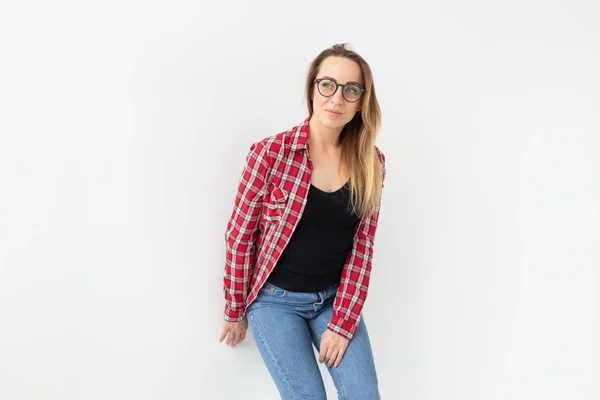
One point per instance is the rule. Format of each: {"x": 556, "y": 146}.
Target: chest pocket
{"x": 274, "y": 204}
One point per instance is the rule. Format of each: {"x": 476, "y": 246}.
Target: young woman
{"x": 300, "y": 238}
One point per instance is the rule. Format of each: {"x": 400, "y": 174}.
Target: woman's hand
{"x": 234, "y": 331}
{"x": 333, "y": 347}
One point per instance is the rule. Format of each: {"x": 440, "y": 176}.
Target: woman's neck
{"x": 323, "y": 138}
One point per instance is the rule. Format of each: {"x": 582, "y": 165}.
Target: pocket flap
{"x": 278, "y": 195}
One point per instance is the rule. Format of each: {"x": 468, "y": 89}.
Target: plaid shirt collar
{"x": 298, "y": 136}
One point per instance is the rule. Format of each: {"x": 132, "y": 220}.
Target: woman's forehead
{"x": 342, "y": 70}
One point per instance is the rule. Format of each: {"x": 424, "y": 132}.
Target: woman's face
{"x": 335, "y": 111}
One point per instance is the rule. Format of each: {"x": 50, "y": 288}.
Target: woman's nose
{"x": 337, "y": 97}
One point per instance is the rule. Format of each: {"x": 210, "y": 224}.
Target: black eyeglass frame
{"x": 337, "y": 85}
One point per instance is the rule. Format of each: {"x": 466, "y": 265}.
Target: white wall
{"x": 124, "y": 126}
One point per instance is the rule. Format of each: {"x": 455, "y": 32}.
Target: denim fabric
{"x": 286, "y": 325}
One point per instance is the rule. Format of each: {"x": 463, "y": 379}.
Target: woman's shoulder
{"x": 267, "y": 148}
{"x": 270, "y": 143}
{"x": 275, "y": 145}
{"x": 380, "y": 155}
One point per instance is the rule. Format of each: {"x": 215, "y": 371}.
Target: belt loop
{"x": 321, "y": 298}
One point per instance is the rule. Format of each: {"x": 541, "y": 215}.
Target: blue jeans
{"x": 287, "y": 324}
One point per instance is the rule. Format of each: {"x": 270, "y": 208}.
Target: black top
{"x": 315, "y": 255}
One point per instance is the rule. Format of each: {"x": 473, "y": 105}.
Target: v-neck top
{"x": 314, "y": 257}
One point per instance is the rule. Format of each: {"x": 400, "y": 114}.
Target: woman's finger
{"x": 329, "y": 353}
{"x": 223, "y": 334}
{"x": 331, "y": 359}
{"x": 322, "y": 352}
{"x": 230, "y": 338}
{"x": 339, "y": 357}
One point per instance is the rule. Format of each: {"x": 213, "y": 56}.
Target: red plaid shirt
{"x": 270, "y": 200}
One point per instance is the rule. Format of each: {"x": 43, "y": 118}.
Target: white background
{"x": 124, "y": 126}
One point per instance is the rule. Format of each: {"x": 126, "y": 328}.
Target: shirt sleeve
{"x": 242, "y": 232}
{"x": 352, "y": 292}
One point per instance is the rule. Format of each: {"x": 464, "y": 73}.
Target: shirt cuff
{"x": 232, "y": 315}
{"x": 342, "y": 327}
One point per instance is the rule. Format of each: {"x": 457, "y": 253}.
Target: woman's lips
{"x": 333, "y": 113}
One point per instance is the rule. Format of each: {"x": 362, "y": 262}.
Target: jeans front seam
{"x": 339, "y": 378}
{"x": 270, "y": 351}
{"x": 341, "y": 382}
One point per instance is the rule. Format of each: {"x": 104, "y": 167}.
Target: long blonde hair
{"x": 359, "y": 157}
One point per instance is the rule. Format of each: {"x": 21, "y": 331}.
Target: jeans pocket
{"x": 272, "y": 290}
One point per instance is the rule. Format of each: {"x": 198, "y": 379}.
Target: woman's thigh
{"x": 285, "y": 344}
{"x": 355, "y": 377}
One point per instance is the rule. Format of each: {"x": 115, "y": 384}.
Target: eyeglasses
{"x": 351, "y": 92}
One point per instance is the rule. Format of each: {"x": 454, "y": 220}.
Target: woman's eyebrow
{"x": 347, "y": 83}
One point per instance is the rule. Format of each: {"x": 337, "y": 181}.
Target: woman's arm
{"x": 354, "y": 283}
{"x": 242, "y": 232}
